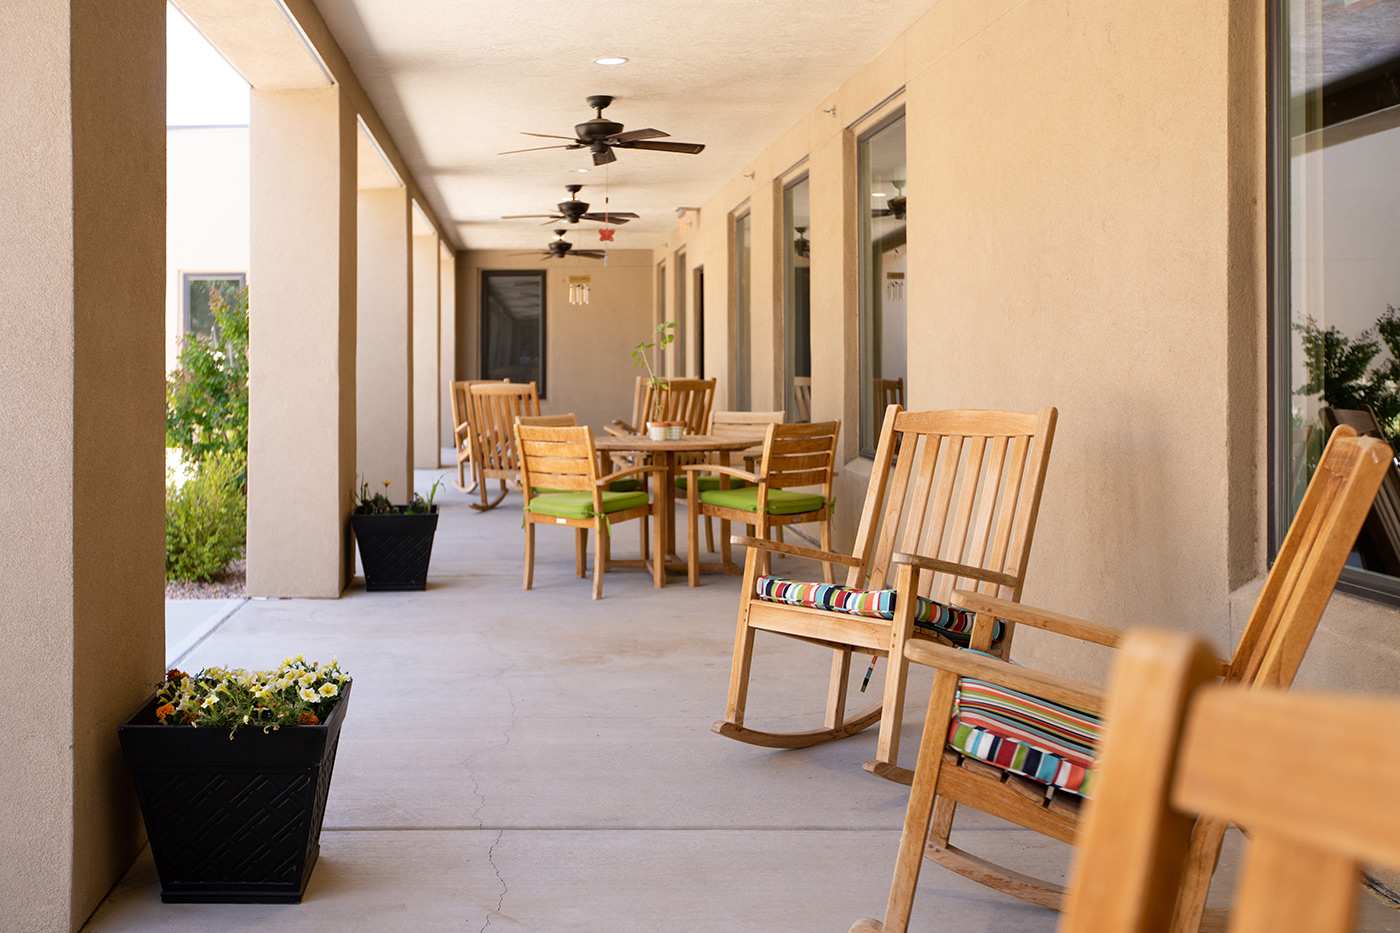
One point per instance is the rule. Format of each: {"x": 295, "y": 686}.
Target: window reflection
{"x": 797, "y": 301}
{"x": 512, "y": 327}
{"x": 883, "y": 301}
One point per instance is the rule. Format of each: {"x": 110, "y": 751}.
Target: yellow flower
{"x": 329, "y": 690}
{"x": 307, "y": 694}
{"x": 209, "y": 701}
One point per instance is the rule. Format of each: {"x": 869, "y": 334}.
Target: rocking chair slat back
{"x": 494, "y": 408}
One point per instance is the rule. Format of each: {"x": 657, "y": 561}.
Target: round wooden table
{"x": 665, "y": 452}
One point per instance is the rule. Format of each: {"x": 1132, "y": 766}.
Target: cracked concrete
{"x": 540, "y": 761}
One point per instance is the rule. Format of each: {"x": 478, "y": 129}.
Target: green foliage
{"x": 662, "y": 337}
{"x": 300, "y": 692}
{"x": 206, "y": 399}
{"x": 1344, "y": 372}
{"x": 377, "y": 503}
{"x": 205, "y": 519}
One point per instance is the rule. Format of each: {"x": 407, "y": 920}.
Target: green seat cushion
{"x": 711, "y": 483}
{"x": 780, "y": 501}
{"x": 580, "y": 504}
{"x": 630, "y": 484}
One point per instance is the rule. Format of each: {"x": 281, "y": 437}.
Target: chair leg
{"x": 836, "y": 691}
{"x": 709, "y": 535}
{"x": 726, "y": 550}
{"x": 529, "y": 554}
{"x": 658, "y": 546}
{"x": 580, "y": 552}
{"x": 692, "y": 537}
{"x": 886, "y": 761}
{"x": 1201, "y": 859}
{"x": 600, "y": 558}
{"x": 828, "y": 574}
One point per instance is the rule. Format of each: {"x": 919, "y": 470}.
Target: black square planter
{"x": 395, "y": 548}
{"x": 232, "y": 821}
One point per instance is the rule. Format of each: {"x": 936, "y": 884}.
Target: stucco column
{"x": 427, "y": 387}
{"x": 383, "y": 355}
{"x": 766, "y": 301}
{"x": 301, "y": 449}
{"x": 82, "y": 142}
{"x": 447, "y": 343}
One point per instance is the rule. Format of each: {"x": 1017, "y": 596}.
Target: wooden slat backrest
{"x": 461, "y": 407}
{"x": 732, "y": 423}
{"x": 799, "y": 455}
{"x": 802, "y": 397}
{"x": 1310, "y": 560}
{"x": 965, "y": 487}
{"x": 556, "y": 457}
{"x": 684, "y": 400}
{"x": 495, "y": 406}
{"x": 568, "y": 420}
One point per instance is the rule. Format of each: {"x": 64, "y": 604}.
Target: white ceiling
{"x": 457, "y": 81}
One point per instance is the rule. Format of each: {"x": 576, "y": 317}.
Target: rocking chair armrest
{"x": 620, "y": 429}
{"x": 939, "y": 565}
{"x": 1021, "y": 614}
{"x": 1005, "y": 674}
{"x": 779, "y": 547}
{"x": 716, "y": 468}
{"x": 605, "y": 481}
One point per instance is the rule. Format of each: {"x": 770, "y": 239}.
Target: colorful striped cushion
{"x": 1046, "y": 741}
{"x": 949, "y": 621}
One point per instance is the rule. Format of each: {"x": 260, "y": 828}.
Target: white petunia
{"x": 329, "y": 690}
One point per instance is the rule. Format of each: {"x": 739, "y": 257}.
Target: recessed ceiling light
{"x": 579, "y": 171}
{"x": 879, "y": 194}
{"x": 610, "y": 60}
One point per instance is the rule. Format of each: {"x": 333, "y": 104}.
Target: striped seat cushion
{"x": 949, "y": 621}
{"x": 1046, "y": 741}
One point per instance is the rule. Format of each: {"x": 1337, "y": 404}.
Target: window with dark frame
{"x": 797, "y": 291}
{"x": 743, "y": 292}
{"x": 1334, "y": 338}
{"x": 512, "y": 327}
{"x": 196, "y": 290}
{"x": 882, "y": 175}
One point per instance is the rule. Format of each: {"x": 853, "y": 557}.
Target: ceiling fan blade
{"x": 526, "y": 216}
{"x": 633, "y": 135}
{"x": 611, "y": 217}
{"x": 536, "y": 149}
{"x": 532, "y": 252}
{"x": 603, "y": 156}
{"x": 549, "y": 136}
{"x": 586, "y": 253}
{"x": 689, "y": 148}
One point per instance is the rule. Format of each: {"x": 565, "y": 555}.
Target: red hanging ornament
{"x": 605, "y": 234}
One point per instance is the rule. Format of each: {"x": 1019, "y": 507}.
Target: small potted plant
{"x": 662, "y": 337}
{"x": 232, "y": 769}
{"x": 395, "y": 541}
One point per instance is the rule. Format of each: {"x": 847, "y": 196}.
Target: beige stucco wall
{"x": 383, "y": 342}
{"x": 427, "y": 386}
{"x": 588, "y": 370}
{"x": 80, "y": 371}
{"x": 447, "y": 342}
{"x": 206, "y": 194}
{"x": 1086, "y": 231}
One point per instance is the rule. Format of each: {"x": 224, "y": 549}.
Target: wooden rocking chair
{"x": 995, "y": 461}
{"x": 461, "y": 430}
{"x": 983, "y": 710}
{"x": 494, "y": 408}
{"x": 1312, "y": 778}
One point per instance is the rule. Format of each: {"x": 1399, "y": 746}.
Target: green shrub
{"x": 206, "y": 399}
{"x": 205, "y": 519}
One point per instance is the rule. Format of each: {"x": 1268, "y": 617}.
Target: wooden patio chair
{"x": 1381, "y": 534}
{"x": 794, "y": 456}
{"x": 1021, "y": 744}
{"x": 1312, "y": 778}
{"x": 461, "y": 430}
{"x": 563, "y": 486}
{"x": 802, "y": 397}
{"x": 494, "y": 408}
{"x": 732, "y": 424}
{"x": 995, "y": 461}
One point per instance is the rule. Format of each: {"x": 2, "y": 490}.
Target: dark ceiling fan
{"x": 559, "y": 247}
{"x": 895, "y": 206}
{"x": 573, "y": 210}
{"x": 601, "y": 137}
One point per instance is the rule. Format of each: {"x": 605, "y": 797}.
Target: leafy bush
{"x": 1345, "y": 373}
{"x": 206, "y": 399}
{"x": 205, "y": 519}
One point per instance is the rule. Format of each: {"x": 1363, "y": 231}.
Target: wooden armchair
{"x": 1312, "y": 778}
{"x": 794, "y": 455}
{"x": 732, "y": 424}
{"x": 563, "y": 486}
{"x": 1021, "y": 744}
{"x": 995, "y": 461}
{"x": 685, "y": 400}
{"x": 494, "y": 408}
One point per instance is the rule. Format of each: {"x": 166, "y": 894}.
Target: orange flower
{"x": 308, "y": 719}
{"x": 166, "y": 710}
{"x": 174, "y": 674}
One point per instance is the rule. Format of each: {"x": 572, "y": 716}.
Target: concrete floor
{"x": 540, "y": 761}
